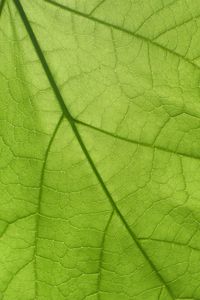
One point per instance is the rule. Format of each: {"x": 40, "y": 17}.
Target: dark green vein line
{"x": 102, "y": 254}
{"x": 169, "y": 242}
{"x": 136, "y": 35}
{"x": 2, "y": 6}
{"x": 38, "y": 213}
{"x": 160, "y": 294}
{"x": 79, "y": 138}
{"x": 135, "y": 142}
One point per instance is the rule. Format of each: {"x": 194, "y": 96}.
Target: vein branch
{"x": 172, "y": 243}
{"x": 136, "y": 142}
{"x": 102, "y": 254}
{"x": 40, "y": 198}
{"x": 134, "y": 34}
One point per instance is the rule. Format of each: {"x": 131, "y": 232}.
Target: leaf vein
{"x": 143, "y": 144}
{"x": 70, "y": 119}
{"x": 136, "y": 35}
{"x": 38, "y": 214}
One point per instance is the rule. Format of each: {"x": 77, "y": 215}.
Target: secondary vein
{"x": 135, "y": 142}
{"x": 102, "y": 254}
{"x": 70, "y": 119}
{"x": 40, "y": 197}
{"x": 136, "y": 35}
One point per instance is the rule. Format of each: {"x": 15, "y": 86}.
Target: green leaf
{"x": 100, "y": 150}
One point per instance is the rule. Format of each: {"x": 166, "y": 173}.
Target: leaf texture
{"x": 100, "y": 150}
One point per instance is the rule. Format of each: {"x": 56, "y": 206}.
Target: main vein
{"x": 70, "y": 119}
{"x": 2, "y": 6}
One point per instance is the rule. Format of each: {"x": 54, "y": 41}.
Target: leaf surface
{"x": 99, "y": 143}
